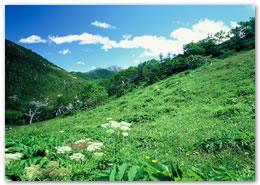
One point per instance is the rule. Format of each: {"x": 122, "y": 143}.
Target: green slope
{"x": 99, "y": 74}
{"x": 208, "y": 112}
{"x": 28, "y": 77}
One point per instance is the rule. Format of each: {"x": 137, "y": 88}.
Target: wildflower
{"x": 46, "y": 151}
{"x": 61, "y": 131}
{"x": 196, "y": 152}
{"x": 124, "y": 128}
{"x": 114, "y": 124}
{"x": 105, "y": 125}
{"x": 98, "y": 154}
{"x": 77, "y": 156}
{"x": 180, "y": 149}
{"x": 187, "y": 154}
{"x": 123, "y": 123}
{"x": 109, "y": 118}
{"x": 145, "y": 140}
{"x": 63, "y": 149}
{"x": 147, "y": 157}
{"x": 12, "y": 157}
{"x": 82, "y": 141}
{"x": 111, "y": 131}
{"x": 94, "y": 146}
{"x": 32, "y": 172}
{"x": 154, "y": 161}
{"x": 125, "y": 134}
{"x": 53, "y": 164}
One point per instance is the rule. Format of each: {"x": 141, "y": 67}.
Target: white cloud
{"x": 65, "y": 51}
{"x": 102, "y": 25}
{"x": 234, "y": 24}
{"x": 152, "y": 45}
{"x": 32, "y": 39}
{"x": 126, "y": 36}
{"x": 199, "y": 31}
{"x": 85, "y": 38}
{"x": 93, "y": 68}
{"x": 81, "y": 63}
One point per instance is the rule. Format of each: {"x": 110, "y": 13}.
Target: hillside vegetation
{"x": 195, "y": 125}
{"x": 36, "y": 89}
{"x": 99, "y": 74}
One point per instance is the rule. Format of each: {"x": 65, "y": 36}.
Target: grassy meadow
{"x": 195, "y": 125}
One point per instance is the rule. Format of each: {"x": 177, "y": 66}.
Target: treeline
{"x": 219, "y": 45}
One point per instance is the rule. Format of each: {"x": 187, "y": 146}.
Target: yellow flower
{"x": 196, "y": 152}
{"x": 147, "y": 157}
{"x": 187, "y": 154}
{"x": 154, "y": 161}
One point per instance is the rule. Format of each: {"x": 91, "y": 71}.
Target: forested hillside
{"x": 99, "y": 74}
{"x": 36, "y": 89}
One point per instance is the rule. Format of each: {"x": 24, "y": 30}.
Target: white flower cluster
{"x": 63, "y": 149}
{"x": 94, "y": 146}
{"x": 32, "y": 172}
{"x": 98, "y": 154}
{"x": 12, "y": 157}
{"x": 77, "y": 156}
{"x": 125, "y": 134}
{"x": 82, "y": 141}
{"x": 124, "y": 126}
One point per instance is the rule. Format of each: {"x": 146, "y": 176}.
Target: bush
{"x": 13, "y": 117}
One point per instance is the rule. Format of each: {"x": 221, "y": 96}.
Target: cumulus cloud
{"x": 102, "y": 25}
{"x": 80, "y": 63}
{"x": 85, "y": 38}
{"x": 153, "y": 45}
{"x": 234, "y": 24}
{"x": 32, "y": 39}
{"x": 126, "y": 36}
{"x": 199, "y": 31}
{"x": 65, "y": 51}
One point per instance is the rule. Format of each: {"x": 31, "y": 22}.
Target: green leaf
{"x": 112, "y": 176}
{"x": 122, "y": 170}
{"x": 132, "y": 173}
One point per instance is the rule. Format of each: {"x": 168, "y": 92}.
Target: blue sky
{"x": 80, "y": 38}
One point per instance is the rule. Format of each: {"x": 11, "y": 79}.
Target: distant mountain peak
{"x": 113, "y": 68}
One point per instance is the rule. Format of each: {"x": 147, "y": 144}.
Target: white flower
{"x": 94, "y": 146}
{"x": 77, "y": 156}
{"x": 105, "y": 125}
{"x": 82, "y": 141}
{"x": 111, "y": 131}
{"x": 125, "y": 134}
{"x": 114, "y": 124}
{"x": 12, "y": 157}
{"x": 124, "y": 128}
{"x": 123, "y": 123}
{"x": 109, "y": 118}
{"x": 98, "y": 154}
{"x": 61, "y": 131}
{"x": 32, "y": 172}
{"x": 63, "y": 149}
